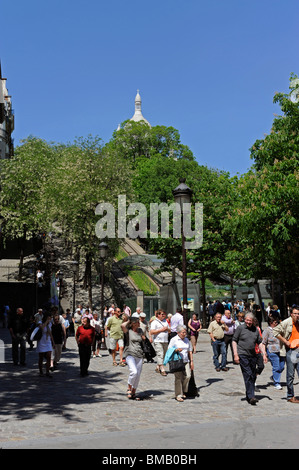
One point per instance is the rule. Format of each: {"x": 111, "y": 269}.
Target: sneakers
{"x": 278, "y": 387}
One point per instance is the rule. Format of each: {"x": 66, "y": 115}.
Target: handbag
{"x": 176, "y": 365}
{"x": 37, "y": 334}
{"x": 148, "y": 349}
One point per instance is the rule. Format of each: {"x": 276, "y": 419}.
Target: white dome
{"x": 138, "y": 114}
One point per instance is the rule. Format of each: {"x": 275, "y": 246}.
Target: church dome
{"x": 138, "y": 113}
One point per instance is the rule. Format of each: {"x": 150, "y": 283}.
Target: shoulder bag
{"x": 176, "y": 365}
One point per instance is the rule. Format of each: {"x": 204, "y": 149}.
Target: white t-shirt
{"x": 97, "y": 324}
{"x": 163, "y": 336}
{"x": 184, "y": 344}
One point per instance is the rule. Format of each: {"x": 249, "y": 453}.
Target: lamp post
{"x": 182, "y": 195}
{"x": 36, "y": 263}
{"x": 75, "y": 266}
{"x": 103, "y": 251}
{"x": 60, "y": 277}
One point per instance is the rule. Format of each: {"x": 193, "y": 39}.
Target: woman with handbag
{"x": 133, "y": 353}
{"x": 183, "y": 346}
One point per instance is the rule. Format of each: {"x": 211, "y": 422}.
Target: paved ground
{"x": 68, "y": 411}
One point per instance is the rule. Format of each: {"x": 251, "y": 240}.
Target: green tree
{"x": 24, "y": 196}
{"x": 263, "y": 223}
{"x": 264, "y": 217}
{"x": 154, "y": 180}
{"x": 85, "y": 176}
{"x": 135, "y": 140}
{"x": 283, "y": 141}
{"x": 166, "y": 141}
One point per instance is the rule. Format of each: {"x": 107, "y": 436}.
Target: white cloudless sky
{"x": 207, "y": 68}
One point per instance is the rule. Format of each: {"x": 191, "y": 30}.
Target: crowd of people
{"x": 240, "y": 327}
{"x": 133, "y": 339}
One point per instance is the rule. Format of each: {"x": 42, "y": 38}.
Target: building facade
{"x": 6, "y": 120}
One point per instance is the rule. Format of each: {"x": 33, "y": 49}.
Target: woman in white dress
{"x": 45, "y": 345}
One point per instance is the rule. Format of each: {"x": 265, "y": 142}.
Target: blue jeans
{"x": 278, "y": 364}
{"x": 291, "y": 374}
{"x": 219, "y": 348}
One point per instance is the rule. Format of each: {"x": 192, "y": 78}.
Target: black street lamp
{"x": 182, "y": 195}
{"x": 75, "y": 266}
{"x": 103, "y": 251}
{"x": 36, "y": 281}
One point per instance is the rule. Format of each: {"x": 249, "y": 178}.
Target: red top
{"x": 85, "y": 335}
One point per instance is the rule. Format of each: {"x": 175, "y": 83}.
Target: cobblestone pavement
{"x": 67, "y": 406}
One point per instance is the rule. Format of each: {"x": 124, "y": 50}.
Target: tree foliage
{"x": 134, "y": 140}
{"x": 24, "y": 195}
{"x": 249, "y": 222}
{"x": 264, "y": 217}
{"x": 283, "y": 141}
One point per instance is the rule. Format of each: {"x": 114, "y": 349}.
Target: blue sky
{"x": 208, "y": 68}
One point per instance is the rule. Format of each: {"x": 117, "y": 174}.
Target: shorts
{"x": 113, "y": 342}
{"x": 160, "y": 349}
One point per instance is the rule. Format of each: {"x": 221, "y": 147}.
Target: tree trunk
{"x": 87, "y": 278}
{"x": 22, "y": 249}
{"x": 232, "y": 290}
{"x": 175, "y": 288}
{"x": 285, "y": 304}
{"x": 257, "y": 286}
{"x": 203, "y": 294}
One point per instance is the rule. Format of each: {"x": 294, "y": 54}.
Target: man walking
{"x": 228, "y": 335}
{"x": 116, "y": 335}
{"x": 216, "y": 331}
{"x": 77, "y": 320}
{"x": 19, "y": 327}
{"x": 176, "y": 320}
{"x": 288, "y": 333}
{"x": 159, "y": 330}
{"x": 245, "y": 338}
